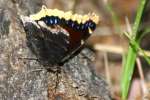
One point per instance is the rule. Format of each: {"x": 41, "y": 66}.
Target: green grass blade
{"x": 132, "y": 53}
{"x": 138, "y": 16}
{"x": 128, "y": 71}
{"x": 114, "y": 16}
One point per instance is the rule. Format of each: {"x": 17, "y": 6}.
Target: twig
{"x": 139, "y": 66}
{"x": 116, "y": 49}
{"x": 107, "y": 72}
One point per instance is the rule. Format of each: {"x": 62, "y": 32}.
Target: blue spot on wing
{"x": 55, "y": 20}
{"x": 92, "y": 25}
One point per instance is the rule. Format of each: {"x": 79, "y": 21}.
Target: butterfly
{"x": 54, "y": 36}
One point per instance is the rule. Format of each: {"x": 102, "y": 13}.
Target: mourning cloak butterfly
{"x": 60, "y": 34}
